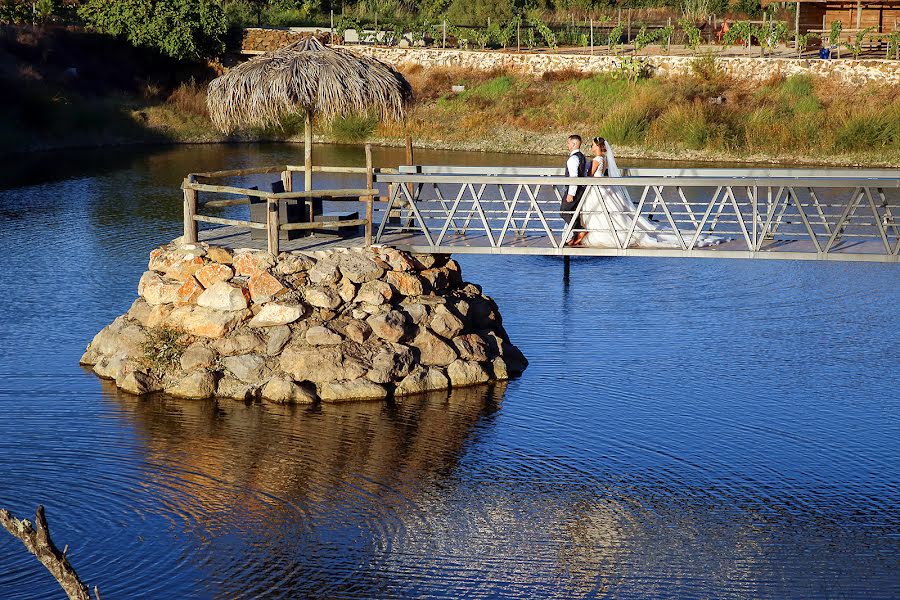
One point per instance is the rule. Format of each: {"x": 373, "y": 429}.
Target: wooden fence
{"x": 195, "y": 183}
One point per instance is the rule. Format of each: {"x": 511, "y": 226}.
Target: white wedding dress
{"x": 620, "y": 209}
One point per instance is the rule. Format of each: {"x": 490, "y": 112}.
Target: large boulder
{"x": 433, "y": 351}
{"x": 155, "y": 290}
{"x": 276, "y": 313}
{"x": 318, "y": 365}
{"x": 357, "y": 389}
{"x": 322, "y": 297}
{"x": 445, "y": 323}
{"x": 223, "y": 296}
{"x": 463, "y": 373}
{"x": 390, "y": 326}
{"x": 407, "y": 284}
{"x": 282, "y": 391}
{"x": 248, "y": 368}
{"x": 471, "y": 347}
{"x": 422, "y": 379}
{"x": 197, "y": 356}
{"x": 322, "y": 336}
{"x": 205, "y": 322}
{"x": 360, "y": 269}
{"x": 214, "y": 273}
{"x": 198, "y": 385}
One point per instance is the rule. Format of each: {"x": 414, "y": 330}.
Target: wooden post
{"x": 628, "y": 37}
{"x": 287, "y": 181}
{"x": 797, "y": 29}
{"x": 370, "y": 185}
{"x": 409, "y": 150}
{"x": 592, "y": 37}
{"x": 190, "y": 210}
{"x": 272, "y": 224}
{"x": 307, "y": 152}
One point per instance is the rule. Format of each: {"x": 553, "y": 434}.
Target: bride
{"x": 620, "y": 209}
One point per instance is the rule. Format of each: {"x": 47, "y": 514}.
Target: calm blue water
{"x": 686, "y": 429}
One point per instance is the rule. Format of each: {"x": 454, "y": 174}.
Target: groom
{"x": 575, "y": 167}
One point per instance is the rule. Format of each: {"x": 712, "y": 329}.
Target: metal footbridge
{"x": 796, "y": 214}
{"x": 800, "y": 214}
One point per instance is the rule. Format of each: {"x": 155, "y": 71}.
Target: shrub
{"x": 164, "y": 346}
{"x": 682, "y": 126}
{"x": 353, "y": 128}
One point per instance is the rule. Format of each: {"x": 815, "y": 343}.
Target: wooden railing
{"x": 195, "y": 183}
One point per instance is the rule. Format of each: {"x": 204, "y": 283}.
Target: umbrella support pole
{"x": 307, "y": 152}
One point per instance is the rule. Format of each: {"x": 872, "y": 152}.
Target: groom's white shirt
{"x": 572, "y": 170}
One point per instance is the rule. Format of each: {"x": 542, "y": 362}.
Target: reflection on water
{"x": 319, "y": 492}
{"x": 689, "y": 429}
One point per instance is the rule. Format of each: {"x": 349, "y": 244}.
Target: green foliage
{"x": 615, "y": 39}
{"x": 705, "y": 67}
{"x": 804, "y": 40}
{"x": 632, "y": 69}
{"x": 856, "y": 45}
{"x": 547, "y": 34}
{"x": 691, "y": 33}
{"x": 163, "y": 347}
{"x": 644, "y": 38}
{"x": 835, "y": 34}
{"x": 353, "y": 128}
{"x": 771, "y": 33}
{"x": 182, "y": 29}
{"x": 695, "y": 9}
{"x": 869, "y": 131}
{"x": 344, "y": 23}
{"x": 751, "y": 8}
{"x": 740, "y": 30}
{"x": 893, "y": 45}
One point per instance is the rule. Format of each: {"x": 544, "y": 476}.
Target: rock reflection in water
{"x": 302, "y": 498}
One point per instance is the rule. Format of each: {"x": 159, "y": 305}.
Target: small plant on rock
{"x": 164, "y": 346}
{"x": 632, "y": 69}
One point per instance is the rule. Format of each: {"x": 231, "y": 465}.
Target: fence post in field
{"x": 272, "y": 225}
{"x": 592, "y": 37}
{"x": 190, "y": 209}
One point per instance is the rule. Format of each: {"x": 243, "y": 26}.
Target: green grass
{"x": 353, "y": 128}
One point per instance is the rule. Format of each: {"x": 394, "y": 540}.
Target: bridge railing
{"x": 749, "y": 213}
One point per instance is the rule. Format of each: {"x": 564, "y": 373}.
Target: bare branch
{"x": 38, "y": 542}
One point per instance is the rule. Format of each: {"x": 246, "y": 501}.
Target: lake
{"x": 686, "y": 428}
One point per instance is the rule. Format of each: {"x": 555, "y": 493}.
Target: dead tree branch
{"x": 37, "y": 541}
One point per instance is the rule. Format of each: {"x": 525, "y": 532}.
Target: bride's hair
{"x": 600, "y": 142}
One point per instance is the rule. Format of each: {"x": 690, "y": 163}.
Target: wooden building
{"x": 817, "y": 15}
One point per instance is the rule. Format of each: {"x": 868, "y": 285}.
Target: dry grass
{"x": 706, "y": 111}
{"x": 189, "y": 98}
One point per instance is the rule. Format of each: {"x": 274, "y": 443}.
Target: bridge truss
{"x": 843, "y": 215}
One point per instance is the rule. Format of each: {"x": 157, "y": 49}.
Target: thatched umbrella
{"x": 323, "y": 82}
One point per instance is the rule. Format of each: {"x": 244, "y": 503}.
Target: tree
{"x": 182, "y": 29}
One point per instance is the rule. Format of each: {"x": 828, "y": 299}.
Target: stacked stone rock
{"x": 332, "y": 325}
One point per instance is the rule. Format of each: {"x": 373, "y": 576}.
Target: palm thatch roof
{"x": 306, "y": 76}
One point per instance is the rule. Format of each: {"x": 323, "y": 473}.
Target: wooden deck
{"x": 239, "y": 238}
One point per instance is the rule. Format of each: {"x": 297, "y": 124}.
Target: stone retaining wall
{"x": 257, "y": 39}
{"x": 757, "y": 69}
{"x": 333, "y": 325}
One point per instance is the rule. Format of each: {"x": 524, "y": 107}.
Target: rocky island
{"x": 349, "y": 324}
